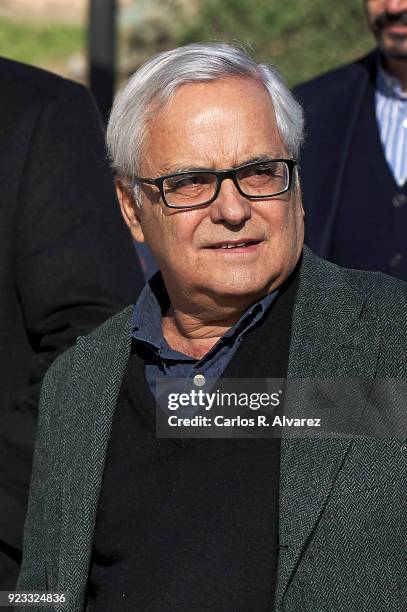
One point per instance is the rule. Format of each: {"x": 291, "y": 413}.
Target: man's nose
{"x": 395, "y": 6}
{"x": 230, "y": 206}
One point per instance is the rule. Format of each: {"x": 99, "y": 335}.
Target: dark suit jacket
{"x": 332, "y": 104}
{"x": 66, "y": 258}
{"x": 342, "y": 520}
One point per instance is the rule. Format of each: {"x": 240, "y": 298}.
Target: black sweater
{"x": 193, "y": 524}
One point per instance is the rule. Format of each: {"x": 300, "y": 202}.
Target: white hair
{"x": 152, "y": 87}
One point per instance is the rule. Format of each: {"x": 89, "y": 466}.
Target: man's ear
{"x": 130, "y": 211}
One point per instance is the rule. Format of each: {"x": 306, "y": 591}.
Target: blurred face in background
{"x": 388, "y": 22}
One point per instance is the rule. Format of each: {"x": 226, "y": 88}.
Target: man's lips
{"x": 242, "y": 245}
{"x": 396, "y": 29}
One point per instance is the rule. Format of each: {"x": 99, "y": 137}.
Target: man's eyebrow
{"x": 251, "y": 160}
{"x": 186, "y": 169}
{"x": 262, "y": 157}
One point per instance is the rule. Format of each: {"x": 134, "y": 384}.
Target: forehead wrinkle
{"x": 213, "y": 114}
{"x": 212, "y": 137}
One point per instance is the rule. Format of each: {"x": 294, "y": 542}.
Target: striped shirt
{"x": 391, "y": 113}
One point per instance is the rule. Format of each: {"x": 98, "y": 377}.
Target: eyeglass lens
{"x": 257, "y": 180}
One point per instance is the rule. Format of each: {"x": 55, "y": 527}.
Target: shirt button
{"x": 399, "y": 200}
{"x": 199, "y": 380}
{"x": 395, "y": 260}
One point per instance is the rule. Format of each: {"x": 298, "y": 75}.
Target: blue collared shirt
{"x": 161, "y": 360}
{"x": 391, "y": 113}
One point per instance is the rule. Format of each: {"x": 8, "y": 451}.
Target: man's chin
{"x": 237, "y": 294}
{"x": 394, "y": 48}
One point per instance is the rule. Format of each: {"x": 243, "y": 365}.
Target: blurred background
{"x": 99, "y": 42}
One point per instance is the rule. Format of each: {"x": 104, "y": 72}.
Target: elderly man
{"x": 354, "y": 162}
{"x": 204, "y": 143}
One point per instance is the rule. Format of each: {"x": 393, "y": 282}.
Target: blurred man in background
{"x": 354, "y": 162}
{"x": 66, "y": 261}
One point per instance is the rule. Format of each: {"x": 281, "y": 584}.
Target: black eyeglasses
{"x": 255, "y": 181}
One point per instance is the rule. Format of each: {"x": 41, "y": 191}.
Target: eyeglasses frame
{"x": 221, "y": 175}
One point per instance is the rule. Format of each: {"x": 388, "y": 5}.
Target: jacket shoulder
{"x": 111, "y": 328}
{"x": 374, "y": 288}
{"x": 334, "y": 79}
{"x": 387, "y": 296}
{"x": 110, "y": 334}
{"x": 24, "y": 83}
{"x": 385, "y": 292}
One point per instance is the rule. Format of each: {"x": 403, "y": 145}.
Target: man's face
{"x": 388, "y": 22}
{"x": 218, "y": 125}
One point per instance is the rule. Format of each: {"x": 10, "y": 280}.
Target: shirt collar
{"x": 153, "y": 303}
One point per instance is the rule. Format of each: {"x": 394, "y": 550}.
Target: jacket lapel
{"x": 92, "y": 404}
{"x": 332, "y": 337}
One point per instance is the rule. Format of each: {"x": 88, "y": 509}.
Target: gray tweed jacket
{"x": 343, "y": 514}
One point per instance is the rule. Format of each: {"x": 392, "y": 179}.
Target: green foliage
{"x": 302, "y": 37}
{"x": 39, "y": 44}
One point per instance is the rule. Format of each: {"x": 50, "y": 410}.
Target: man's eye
{"x": 185, "y": 182}
{"x": 179, "y": 183}
{"x": 267, "y": 170}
